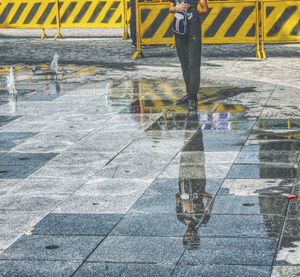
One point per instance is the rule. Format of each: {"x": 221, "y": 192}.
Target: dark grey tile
{"x": 37, "y": 268}
{"x": 222, "y": 270}
{"x": 212, "y": 146}
{"x": 288, "y": 253}
{"x": 163, "y": 250}
{"x": 26, "y": 159}
{"x": 77, "y": 224}
{"x": 292, "y": 227}
{"x": 6, "y": 119}
{"x": 52, "y": 248}
{"x": 170, "y": 203}
{"x": 259, "y": 187}
{"x": 149, "y": 106}
{"x": 279, "y": 145}
{"x": 255, "y": 226}
{"x": 285, "y": 124}
{"x": 230, "y": 251}
{"x": 286, "y": 271}
{"x": 124, "y": 270}
{"x": 163, "y": 225}
{"x": 9, "y": 140}
{"x": 246, "y": 204}
{"x": 16, "y": 172}
{"x": 256, "y": 171}
{"x": 267, "y": 156}
{"x": 172, "y": 185}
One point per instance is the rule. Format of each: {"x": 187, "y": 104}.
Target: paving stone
{"x": 119, "y": 269}
{"x": 256, "y": 171}
{"x": 107, "y": 186}
{"x": 164, "y": 225}
{"x": 288, "y": 253}
{"x": 163, "y": 250}
{"x": 29, "y": 203}
{"x": 52, "y": 248}
{"x": 17, "y": 172}
{"x": 44, "y": 187}
{"x": 252, "y": 226}
{"x": 262, "y": 187}
{"x": 249, "y": 205}
{"x": 230, "y": 251}
{"x": 287, "y": 271}
{"x": 37, "y": 268}
{"x": 106, "y": 204}
{"x": 25, "y": 159}
{"x": 172, "y": 185}
{"x": 222, "y": 270}
{"x": 77, "y": 224}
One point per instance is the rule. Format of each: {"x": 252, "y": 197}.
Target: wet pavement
{"x": 110, "y": 178}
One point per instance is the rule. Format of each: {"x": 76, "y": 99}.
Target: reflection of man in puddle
{"x": 192, "y": 199}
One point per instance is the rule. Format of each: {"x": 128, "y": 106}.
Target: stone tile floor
{"x": 111, "y": 178}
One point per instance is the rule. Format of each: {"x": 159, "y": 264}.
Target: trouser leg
{"x": 133, "y": 22}
{"x": 194, "y": 56}
{"x": 182, "y": 51}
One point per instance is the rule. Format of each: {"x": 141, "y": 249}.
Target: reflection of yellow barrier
{"x": 226, "y": 22}
{"x": 280, "y": 21}
{"x": 58, "y": 14}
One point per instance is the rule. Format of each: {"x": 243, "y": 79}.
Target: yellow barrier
{"x": 58, "y": 14}
{"x": 226, "y": 22}
{"x": 29, "y": 14}
{"x": 280, "y": 22}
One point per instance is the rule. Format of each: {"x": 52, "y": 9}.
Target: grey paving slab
{"x": 169, "y": 203}
{"x": 277, "y": 124}
{"x": 199, "y": 157}
{"x": 6, "y": 119}
{"x": 273, "y": 145}
{"x": 77, "y": 224}
{"x": 262, "y": 156}
{"x": 262, "y": 187}
{"x": 131, "y": 171}
{"x": 287, "y": 271}
{"x": 196, "y": 171}
{"x": 37, "y": 268}
{"x": 7, "y": 184}
{"x": 163, "y": 225}
{"x": 26, "y": 159}
{"x": 222, "y": 270}
{"x": 291, "y": 227}
{"x": 163, "y": 250}
{"x": 42, "y": 187}
{"x": 172, "y": 185}
{"x": 17, "y": 172}
{"x": 251, "y": 226}
{"x": 122, "y": 269}
{"x": 108, "y": 186}
{"x": 98, "y": 204}
{"x": 65, "y": 171}
{"x": 230, "y": 251}
{"x": 29, "y": 203}
{"x": 18, "y": 222}
{"x": 9, "y": 140}
{"x": 248, "y": 204}
{"x": 288, "y": 253}
{"x": 52, "y": 248}
{"x": 256, "y": 171}
{"x": 213, "y": 146}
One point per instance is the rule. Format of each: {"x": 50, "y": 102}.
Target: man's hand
{"x": 182, "y": 7}
{"x": 204, "y": 7}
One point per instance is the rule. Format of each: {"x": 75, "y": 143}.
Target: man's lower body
{"x": 189, "y": 53}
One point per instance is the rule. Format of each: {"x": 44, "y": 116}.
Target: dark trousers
{"x": 133, "y": 22}
{"x": 189, "y": 53}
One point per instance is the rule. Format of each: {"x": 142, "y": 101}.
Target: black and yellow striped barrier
{"x": 59, "y": 14}
{"x": 29, "y": 14}
{"x": 280, "y": 22}
{"x": 226, "y": 22}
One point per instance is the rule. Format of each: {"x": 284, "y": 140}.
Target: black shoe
{"x": 183, "y": 100}
{"x": 192, "y": 105}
